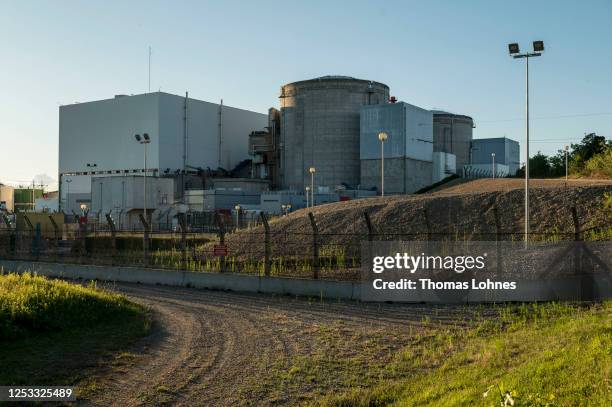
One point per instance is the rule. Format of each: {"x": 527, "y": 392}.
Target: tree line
{"x": 591, "y": 157}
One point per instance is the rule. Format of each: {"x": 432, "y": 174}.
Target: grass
{"x": 54, "y": 332}
{"x": 534, "y": 355}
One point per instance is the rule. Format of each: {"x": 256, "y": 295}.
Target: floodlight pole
{"x": 144, "y": 140}
{"x": 527, "y": 56}
{"x": 527, "y": 150}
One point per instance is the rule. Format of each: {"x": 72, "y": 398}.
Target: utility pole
{"x": 566, "y": 167}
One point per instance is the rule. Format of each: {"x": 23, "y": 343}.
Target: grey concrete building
{"x": 320, "y": 128}
{"x": 452, "y": 133}
{"x": 507, "y": 153}
{"x": 200, "y": 200}
{"x": 408, "y": 149}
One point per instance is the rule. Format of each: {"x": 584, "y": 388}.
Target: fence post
{"x": 221, "y": 227}
{"x": 315, "y": 246}
{"x": 37, "y": 242}
{"x": 427, "y": 224}
{"x": 145, "y": 239}
{"x": 113, "y": 229}
{"x": 82, "y": 238}
{"x": 498, "y": 251}
{"x": 577, "y": 231}
{"x": 32, "y": 237}
{"x": 577, "y": 238}
{"x": 370, "y": 253}
{"x": 12, "y": 237}
{"x": 369, "y": 225}
{"x": 264, "y": 220}
{"x": 55, "y": 235}
{"x": 55, "y": 229}
{"x": 183, "y": 224}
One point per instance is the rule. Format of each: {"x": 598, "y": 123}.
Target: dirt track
{"x": 212, "y": 348}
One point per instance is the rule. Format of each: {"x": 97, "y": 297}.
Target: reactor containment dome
{"x": 320, "y": 121}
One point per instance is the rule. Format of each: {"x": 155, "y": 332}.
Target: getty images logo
{"x": 404, "y": 261}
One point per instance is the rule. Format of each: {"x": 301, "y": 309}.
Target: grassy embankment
{"x": 52, "y": 332}
{"x": 534, "y": 355}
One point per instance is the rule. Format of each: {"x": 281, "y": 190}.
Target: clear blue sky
{"x": 443, "y": 54}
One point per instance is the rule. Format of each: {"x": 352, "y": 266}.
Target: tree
{"x": 591, "y": 145}
{"x": 557, "y": 164}
{"x": 539, "y": 166}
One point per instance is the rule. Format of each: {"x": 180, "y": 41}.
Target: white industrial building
{"x": 96, "y": 139}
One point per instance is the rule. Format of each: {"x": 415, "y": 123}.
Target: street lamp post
{"x": 538, "y": 48}
{"x": 493, "y": 158}
{"x": 566, "y": 167}
{"x": 237, "y": 208}
{"x": 312, "y": 171}
{"x": 382, "y": 136}
{"x": 144, "y": 140}
{"x": 307, "y": 197}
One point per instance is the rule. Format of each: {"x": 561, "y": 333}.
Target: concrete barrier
{"x": 565, "y": 289}
{"x": 215, "y": 281}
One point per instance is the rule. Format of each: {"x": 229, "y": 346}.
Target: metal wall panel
{"x": 409, "y": 130}
{"x": 102, "y": 133}
{"x": 506, "y": 152}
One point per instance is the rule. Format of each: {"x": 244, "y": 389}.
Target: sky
{"x": 447, "y": 55}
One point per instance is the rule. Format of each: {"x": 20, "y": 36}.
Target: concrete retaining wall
{"x": 215, "y": 281}
{"x": 597, "y": 287}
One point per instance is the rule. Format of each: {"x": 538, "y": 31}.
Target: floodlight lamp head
{"x": 538, "y": 46}
{"x": 382, "y": 136}
{"x": 137, "y": 137}
{"x": 312, "y": 170}
{"x": 513, "y": 48}
{"x": 146, "y": 136}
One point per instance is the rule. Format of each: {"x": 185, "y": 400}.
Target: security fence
{"x": 302, "y": 247}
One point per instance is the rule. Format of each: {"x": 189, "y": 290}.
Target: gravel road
{"x": 210, "y": 348}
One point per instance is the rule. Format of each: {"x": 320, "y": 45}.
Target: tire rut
{"x": 212, "y": 348}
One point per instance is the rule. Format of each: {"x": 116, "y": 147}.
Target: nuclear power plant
{"x": 330, "y": 139}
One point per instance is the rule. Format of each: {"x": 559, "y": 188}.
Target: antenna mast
{"x": 220, "y": 132}
{"x": 149, "y": 69}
